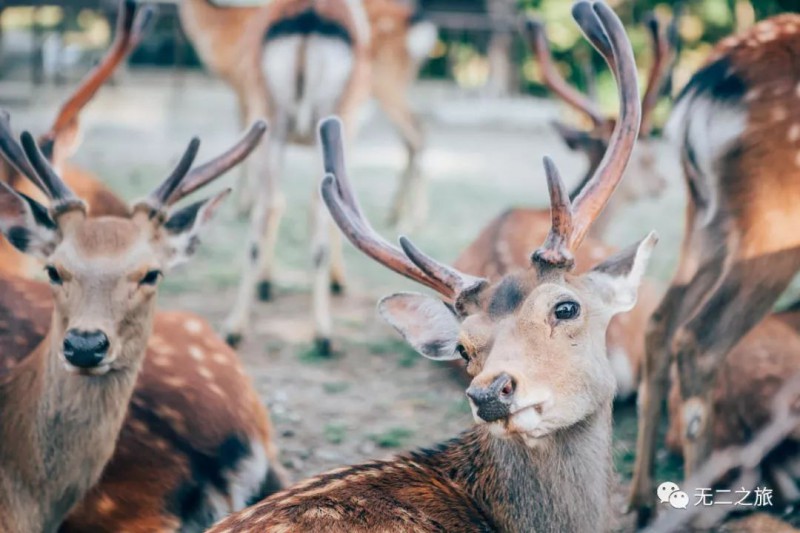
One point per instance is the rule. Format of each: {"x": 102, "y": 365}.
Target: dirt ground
{"x": 375, "y": 396}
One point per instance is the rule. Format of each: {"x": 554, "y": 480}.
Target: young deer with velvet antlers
{"x": 738, "y": 126}
{"x": 539, "y": 458}
{"x": 62, "y": 406}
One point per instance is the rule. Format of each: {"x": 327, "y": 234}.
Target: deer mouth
{"x": 99, "y": 370}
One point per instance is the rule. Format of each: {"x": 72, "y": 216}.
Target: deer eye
{"x": 567, "y": 310}
{"x": 151, "y": 278}
{"x": 52, "y": 273}
{"x": 462, "y": 352}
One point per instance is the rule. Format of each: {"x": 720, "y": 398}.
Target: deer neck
{"x": 58, "y": 430}
{"x": 559, "y": 484}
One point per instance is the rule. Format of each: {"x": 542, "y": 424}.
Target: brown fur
{"x": 740, "y": 250}
{"x": 504, "y": 246}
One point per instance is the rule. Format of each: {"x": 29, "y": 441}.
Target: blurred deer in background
{"x": 64, "y": 404}
{"x": 649, "y": 180}
{"x": 229, "y": 40}
{"x": 738, "y": 126}
{"x": 315, "y": 62}
{"x": 539, "y": 458}
{"x": 504, "y": 244}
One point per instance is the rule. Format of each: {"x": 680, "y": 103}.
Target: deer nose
{"x": 85, "y": 349}
{"x": 493, "y": 402}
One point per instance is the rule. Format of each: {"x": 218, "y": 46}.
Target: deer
{"x": 315, "y": 62}
{"x": 737, "y": 128}
{"x": 63, "y": 404}
{"x": 538, "y": 458}
{"x": 504, "y": 244}
{"x": 649, "y": 181}
{"x": 229, "y": 42}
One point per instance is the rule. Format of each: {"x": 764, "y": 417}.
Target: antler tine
{"x": 555, "y": 251}
{"x": 157, "y": 200}
{"x": 63, "y": 199}
{"x": 537, "y": 41}
{"x": 342, "y": 203}
{"x": 13, "y": 152}
{"x": 664, "y": 50}
{"x": 130, "y": 28}
{"x": 594, "y": 196}
{"x": 211, "y": 170}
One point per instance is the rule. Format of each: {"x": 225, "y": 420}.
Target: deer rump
{"x": 308, "y": 60}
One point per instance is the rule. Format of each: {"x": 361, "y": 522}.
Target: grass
{"x": 407, "y": 356}
{"x": 392, "y": 438}
{"x": 334, "y": 433}
{"x": 335, "y": 387}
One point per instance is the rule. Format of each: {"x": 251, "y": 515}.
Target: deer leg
{"x": 689, "y": 286}
{"x": 410, "y": 201}
{"x": 265, "y": 220}
{"x": 321, "y": 264}
{"x": 744, "y": 294}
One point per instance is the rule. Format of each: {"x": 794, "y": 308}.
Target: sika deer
{"x": 539, "y": 457}
{"x": 738, "y": 126}
{"x": 62, "y": 407}
{"x": 229, "y": 40}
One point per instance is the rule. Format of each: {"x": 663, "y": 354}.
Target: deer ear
{"x": 425, "y": 322}
{"x": 619, "y": 276}
{"x": 574, "y": 138}
{"x": 183, "y": 228}
{"x": 26, "y": 223}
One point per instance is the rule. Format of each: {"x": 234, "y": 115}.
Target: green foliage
{"x": 392, "y": 438}
{"x": 334, "y": 433}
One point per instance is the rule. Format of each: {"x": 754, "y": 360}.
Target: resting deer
{"x": 503, "y": 245}
{"x": 738, "y": 128}
{"x": 63, "y": 405}
{"x": 229, "y": 41}
{"x": 158, "y": 478}
{"x": 315, "y": 62}
{"x": 648, "y": 180}
{"x": 539, "y": 458}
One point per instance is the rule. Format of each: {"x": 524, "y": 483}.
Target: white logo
{"x": 670, "y": 493}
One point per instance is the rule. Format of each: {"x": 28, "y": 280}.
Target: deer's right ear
{"x": 425, "y": 322}
{"x": 26, "y": 223}
{"x": 574, "y": 138}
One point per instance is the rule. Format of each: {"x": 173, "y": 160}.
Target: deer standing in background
{"x": 539, "y": 458}
{"x": 63, "y": 406}
{"x": 504, "y": 244}
{"x": 738, "y": 126}
{"x": 230, "y": 39}
{"x": 315, "y": 62}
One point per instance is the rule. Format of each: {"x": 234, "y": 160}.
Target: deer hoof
{"x": 265, "y": 290}
{"x": 323, "y": 346}
{"x": 337, "y": 287}
{"x": 233, "y": 339}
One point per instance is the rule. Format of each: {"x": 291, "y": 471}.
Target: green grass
{"x": 392, "y": 438}
{"x": 335, "y": 387}
{"x": 334, "y": 433}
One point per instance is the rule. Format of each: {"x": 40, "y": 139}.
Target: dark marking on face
{"x": 506, "y": 298}
{"x": 184, "y": 219}
{"x": 19, "y": 237}
{"x": 306, "y": 23}
{"x": 40, "y": 213}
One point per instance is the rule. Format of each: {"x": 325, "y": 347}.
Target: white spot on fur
{"x": 797, "y": 159}
{"x": 779, "y": 113}
{"x": 196, "y": 352}
{"x": 794, "y": 132}
{"x": 752, "y": 94}
{"x": 205, "y": 372}
{"x": 220, "y": 358}
{"x": 420, "y": 40}
{"x": 193, "y": 326}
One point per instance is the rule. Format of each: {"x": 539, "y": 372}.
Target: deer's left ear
{"x": 182, "y": 229}
{"x": 618, "y": 277}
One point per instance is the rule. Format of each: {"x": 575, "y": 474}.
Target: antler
{"x": 182, "y": 182}
{"x": 28, "y": 159}
{"x": 665, "y": 45}
{"x": 340, "y": 198}
{"x": 536, "y": 35}
{"x": 571, "y": 221}
{"x": 130, "y": 28}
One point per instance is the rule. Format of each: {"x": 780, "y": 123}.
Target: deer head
{"x": 649, "y": 181}
{"x": 104, "y": 272}
{"x": 534, "y": 341}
